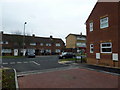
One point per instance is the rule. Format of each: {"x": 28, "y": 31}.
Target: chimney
{"x": 81, "y": 33}
{"x": 1, "y": 32}
{"x": 51, "y": 36}
{"x": 33, "y": 35}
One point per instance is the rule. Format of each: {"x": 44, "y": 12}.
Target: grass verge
{"x": 68, "y": 59}
{"x": 11, "y": 56}
{"x": 8, "y": 79}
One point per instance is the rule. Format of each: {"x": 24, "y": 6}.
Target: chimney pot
{"x": 33, "y": 35}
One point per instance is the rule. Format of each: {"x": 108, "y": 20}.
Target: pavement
{"x": 79, "y": 76}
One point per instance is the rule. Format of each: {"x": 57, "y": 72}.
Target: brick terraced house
{"x": 76, "y": 42}
{"x": 103, "y": 34}
{"x": 13, "y": 44}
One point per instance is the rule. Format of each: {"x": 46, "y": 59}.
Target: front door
{"x": 15, "y": 52}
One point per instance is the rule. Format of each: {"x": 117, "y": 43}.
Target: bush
{"x": 8, "y": 79}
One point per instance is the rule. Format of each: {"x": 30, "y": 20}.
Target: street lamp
{"x": 24, "y": 39}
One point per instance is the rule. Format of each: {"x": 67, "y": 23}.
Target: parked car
{"x": 30, "y": 53}
{"x": 67, "y": 55}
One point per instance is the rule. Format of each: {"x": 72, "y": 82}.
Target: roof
{"x": 98, "y": 2}
{"x": 77, "y": 35}
{"x": 13, "y": 37}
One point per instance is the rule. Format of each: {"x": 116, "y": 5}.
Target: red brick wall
{"x": 119, "y": 32}
{"x": 98, "y": 35}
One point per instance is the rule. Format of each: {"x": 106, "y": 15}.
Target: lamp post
{"x": 24, "y": 39}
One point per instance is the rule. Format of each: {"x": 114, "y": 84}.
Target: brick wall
{"x": 97, "y": 36}
{"x": 71, "y": 41}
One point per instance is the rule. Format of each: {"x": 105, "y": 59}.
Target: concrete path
{"x": 72, "y": 78}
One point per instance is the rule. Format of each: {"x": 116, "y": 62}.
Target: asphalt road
{"x": 31, "y": 64}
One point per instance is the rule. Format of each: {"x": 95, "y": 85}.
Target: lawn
{"x": 74, "y": 59}
{"x": 11, "y": 56}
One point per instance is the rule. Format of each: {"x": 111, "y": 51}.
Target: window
{"x": 91, "y": 48}
{"x": 48, "y": 50}
{"x": 81, "y": 44}
{"x": 33, "y": 44}
{"x": 106, "y": 47}
{"x": 6, "y": 51}
{"x": 91, "y": 26}
{"x": 57, "y": 50}
{"x": 4, "y": 42}
{"x": 41, "y": 44}
{"x": 81, "y": 38}
{"x": 104, "y": 22}
{"x": 57, "y": 44}
{"x": 48, "y": 44}
{"x": 42, "y": 51}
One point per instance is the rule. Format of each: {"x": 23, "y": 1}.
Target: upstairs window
{"x": 41, "y": 44}
{"x": 91, "y": 48}
{"x": 81, "y": 44}
{"x": 91, "y": 26}
{"x": 48, "y": 44}
{"x": 106, "y": 47}
{"x": 4, "y": 42}
{"x": 32, "y": 44}
{"x": 81, "y": 38}
{"x": 104, "y": 22}
{"x": 57, "y": 44}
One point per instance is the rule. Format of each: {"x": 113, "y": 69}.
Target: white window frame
{"x": 101, "y": 47}
{"x": 91, "y": 26}
{"x": 57, "y": 50}
{"x": 48, "y": 50}
{"x": 4, "y": 42}
{"x": 104, "y": 22}
{"x": 6, "y": 50}
{"x": 91, "y": 48}
{"x": 81, "y": 38}
{"x": 33, "y": 44}
{"x": 41, "y": 44}
{"x": 58, "y": 44}
{"x": 81, "y": 44}
{"x": 48, "y": 44}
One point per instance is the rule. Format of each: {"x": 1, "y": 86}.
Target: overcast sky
{"x": 46, "y": 17}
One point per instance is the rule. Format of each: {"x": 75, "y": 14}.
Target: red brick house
{"x": 13, "y": 44}
{"x": 103, "y": 34}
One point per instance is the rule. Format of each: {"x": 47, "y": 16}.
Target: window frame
{"x": 101, "y": 47}
{"x": 41, "y": 44}
{"x": 48, "y": 44}
{"x": 33, "y": 44}
{"x": 57, "y": 50}
{"x": 91, "y": 26}
{"x": 91, "y": 48}
{"x": 58, "y": 45}
{"x": 102, "y": 23}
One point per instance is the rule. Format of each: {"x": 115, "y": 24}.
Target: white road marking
{"x": 25, "y": 62}
{"x": 35, "y": 62}
{"x": 12, "y": 62}
{"x": 19, "y": 62}
{"x": 5, "y": 63}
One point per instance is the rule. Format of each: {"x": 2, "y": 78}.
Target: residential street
{"x": 32, "y": 64}
{"x": 43, "y": 70}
